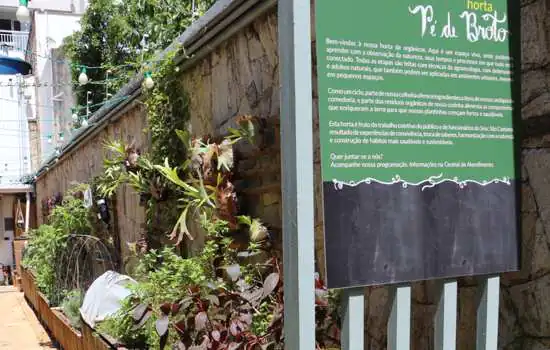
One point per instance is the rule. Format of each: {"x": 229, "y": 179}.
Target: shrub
{"x": 71, "y": 307}
{"x": 44, "y": 245}
{"x": 48, "y": 242}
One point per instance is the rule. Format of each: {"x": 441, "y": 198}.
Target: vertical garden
{"x": 226, "y": 292}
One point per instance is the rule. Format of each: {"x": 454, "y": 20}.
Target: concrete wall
{"x": 62, "y": 108}
{"x": 241, "y": 77}
{"x": 49, "y": 30}
{"x": 14, "y": 144}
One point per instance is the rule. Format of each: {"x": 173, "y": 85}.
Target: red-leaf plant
{"x": 245, "y": 312}
{"x": 227, "y": 318}
{"x": 223, "y": 318}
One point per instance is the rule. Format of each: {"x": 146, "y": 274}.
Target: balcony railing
{"x": 13, "y": 41}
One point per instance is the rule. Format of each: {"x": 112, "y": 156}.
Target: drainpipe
{"x": 27, "y": 212}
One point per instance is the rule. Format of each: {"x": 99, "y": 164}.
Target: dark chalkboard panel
{"x": 378, "y": 234}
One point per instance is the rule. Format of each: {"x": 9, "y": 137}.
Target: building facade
{"x": 34, "y": 107}
{"x": 52, "y": 94}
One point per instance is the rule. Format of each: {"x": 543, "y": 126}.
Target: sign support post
{"x": 399, "y": 323}
{"x": 297, "y": 173}
{"x": 487, "y": 314}
{"x": 445, "y": 317}
{"x": 353, "y": 330}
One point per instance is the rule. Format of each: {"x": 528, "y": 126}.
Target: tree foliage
{"x": 112, "y": 35}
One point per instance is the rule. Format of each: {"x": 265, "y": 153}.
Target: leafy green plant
{"x": 48, "y": 241}
{"x": 215, "y": 297}
{"x": 176, "y": 303}
{"x": 122, "y": 327}
{"x": 229, "y": 296}
{"x": 167, "y": 111}
{"x": 167, "y": 274}
{"x": 71, "y": 217}
{"x": 206, "y": 188}
{"x": 44, "y": 244}
{"x": 124, "y": 165}
{"x": 120, "y": 45}
{"x": 71, "y": 307}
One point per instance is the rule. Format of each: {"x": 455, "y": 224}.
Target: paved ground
{"x": 19, "y": 327}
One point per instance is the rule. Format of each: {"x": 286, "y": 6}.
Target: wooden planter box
{"x": 57, "y": 323}
{"x": 91, "y": 340}
{"x": 46, "y": 314}
{"x": 29, "y": 288}
{"x": 64, "y": 333}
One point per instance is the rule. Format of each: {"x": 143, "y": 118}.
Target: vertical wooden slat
{"x": 399, "y": 323}
{"x": 487, "y": 314}
{"x": 445, "y": 317}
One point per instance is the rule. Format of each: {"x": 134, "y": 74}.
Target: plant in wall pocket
{"x": 103, "y": 211}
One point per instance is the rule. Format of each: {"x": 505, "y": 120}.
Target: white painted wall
{"x": 77, "y": 6}
{"x": 14, "y": 137}
{"x": 6, "y": 246}
{"x": 50, "y": 28}
{"x": 54, "y": 20}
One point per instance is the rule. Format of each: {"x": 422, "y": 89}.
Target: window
{"x": 9, "y": 224}
{"x": 8, "y": 24}
{"x": 5, "y": 24}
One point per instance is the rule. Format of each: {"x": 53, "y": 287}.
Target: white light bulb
{"x": 85, "y": 123}
{"x": 148, "y": 82}
{"x": 83, "y": 78}
{"x": 23, "y": 14}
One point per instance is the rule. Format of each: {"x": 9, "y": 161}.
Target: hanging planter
{"x": 103, "y": 211}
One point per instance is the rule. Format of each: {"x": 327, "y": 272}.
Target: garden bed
{"x": 29, "y": 288}
{"x": 57, "y": 323}
{"x": 63, "y": 332}
{"x": 93, "y": 340}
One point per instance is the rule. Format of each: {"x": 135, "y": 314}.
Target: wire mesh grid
{"x": 84, "y": 259}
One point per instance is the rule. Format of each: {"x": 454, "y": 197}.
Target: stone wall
{"x": 241, "y": 77}
{"x": 525, "y": 314}
{"x": 86, "y": 162}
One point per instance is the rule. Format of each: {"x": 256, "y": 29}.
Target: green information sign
{"x": 417, "y": 138}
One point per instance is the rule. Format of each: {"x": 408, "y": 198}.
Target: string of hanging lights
{"x": 23, "y": 14}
